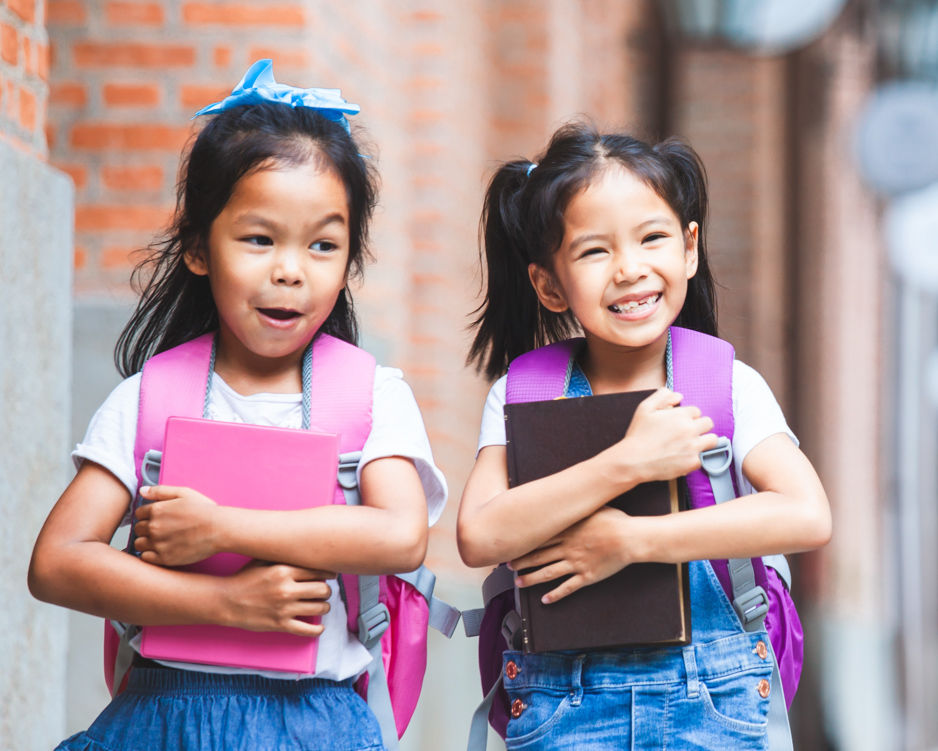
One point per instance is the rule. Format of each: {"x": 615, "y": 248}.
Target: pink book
{"x": 248, "y": 466}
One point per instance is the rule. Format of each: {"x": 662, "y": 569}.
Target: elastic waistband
{"x": 165, "y": 680}
{"x": 633, "y": 667}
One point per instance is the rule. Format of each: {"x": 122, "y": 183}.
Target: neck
{"x": 248, "y": 373}
{"x": 611, "y": 369}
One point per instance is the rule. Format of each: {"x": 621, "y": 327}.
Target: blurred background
{"x": 818, "y": 123}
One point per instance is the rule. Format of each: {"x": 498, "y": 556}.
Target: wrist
{"x": 622, "y": 473}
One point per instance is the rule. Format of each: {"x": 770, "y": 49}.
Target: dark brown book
{"x": 643, "y": 604}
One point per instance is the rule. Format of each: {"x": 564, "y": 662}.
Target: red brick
{"x": 237, "y": 14}
{"x": 131, "y": 95}
{"x": 68, "y": 94}
{"x": 96, "y": 54}
{"x": 9, "y": 44}
{"x": 148, "y": 177}
{"x": 129, "y": 137}
{"x": 78, "y": 173}
{"x": 27, "y": 113}
{"x": 25, "y": 9}
{"x": 195, "y": 96}
{"x": 135, "y": 14}
{"x": 282, "y": 57}
{"x": 43, "y": 61}
{"x": 50, "y": 134}
{"x": 98, "y": 218}
{"x": 117, "y": 258}
{"x": 80, "y": 257}
{"x": 66, "y": 12}
{"x": 222, "y": 56}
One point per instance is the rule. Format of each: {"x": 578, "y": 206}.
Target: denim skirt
{"x": 180, "y": 710}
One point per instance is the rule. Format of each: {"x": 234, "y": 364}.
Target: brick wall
{"x": 24, "y": 75}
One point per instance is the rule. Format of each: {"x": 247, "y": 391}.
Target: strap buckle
{"x": 372, "y": 624}
{"x": 752, "y": 605}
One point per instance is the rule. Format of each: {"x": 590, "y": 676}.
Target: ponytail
{"x": 511, "y": 319}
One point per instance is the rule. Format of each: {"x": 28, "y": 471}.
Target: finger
{"x": 311, "y": 574}
{"x": 303, "y": 628}
{"x": 315, "y": 590}
{"x": 661, "y": 399}
{"x": 565, "y": 589}
{"x": 142, "y": 542}
{"x": 545, "y": 574}
{"x": 539, "y": 557}
{"x": 309, "y": 608}
{"x": 151, "y": 556}
{"x": 160, "y": 492}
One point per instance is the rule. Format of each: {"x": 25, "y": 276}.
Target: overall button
{"x": 517, "y": 707}
{"x": 762, "y": 650}
{"x": 512, "y": 670}
{"x": 763, "y": 688}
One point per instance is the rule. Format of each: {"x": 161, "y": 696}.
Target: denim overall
{"x": 711, "y": 694}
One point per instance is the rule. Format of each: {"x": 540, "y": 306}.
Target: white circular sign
{"x": 777, "y": 26}
{"x": 911, "y": 227}
{"x": 897, "y": 137}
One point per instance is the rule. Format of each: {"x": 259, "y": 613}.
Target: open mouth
{"x": 635, "y": 306}
{"x": 279, "y": 314}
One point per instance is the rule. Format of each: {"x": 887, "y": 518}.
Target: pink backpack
{"x": 701, "y": 367}
{"x": 389, "y": 614}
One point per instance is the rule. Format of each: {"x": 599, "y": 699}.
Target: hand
{"x": 665, "y": 440}
{"x": 175, "y": 527}
{"x": 591, "y": 550}
{"x": 264, "y": 597}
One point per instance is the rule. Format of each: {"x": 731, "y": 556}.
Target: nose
{"x": 629, "y": 266}
{"x": 286, "y": 270}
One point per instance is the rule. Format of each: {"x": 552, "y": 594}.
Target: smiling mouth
{"x": 279, "y": 314}
{"x": 634, "y": 306}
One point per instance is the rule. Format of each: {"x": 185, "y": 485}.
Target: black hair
{"x": 176, "y": 305}
{"x": 523, "y": 223}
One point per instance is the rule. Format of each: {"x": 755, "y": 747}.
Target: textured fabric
{"x": 177, "y": 710}
{"x": 703, "y": 696}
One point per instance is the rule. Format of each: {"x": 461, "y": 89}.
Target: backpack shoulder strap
{"x": 173, "y": 383}
{"x": 342, "y": 391}
{"x": 542, "y": 373}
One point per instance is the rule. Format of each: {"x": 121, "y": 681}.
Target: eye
{"x": 654, "y": 237}
{"x": 323, "y": 246}
{"x": 592, "y": 252}
{"x": 259, "y": 240}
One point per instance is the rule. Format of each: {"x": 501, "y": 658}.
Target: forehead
{"x": 615, "y": 193}
{"x": 308, "y": 188}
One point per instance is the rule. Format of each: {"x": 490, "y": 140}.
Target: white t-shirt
{"x": 397, "y": 430}
{"x": 756, "y": 416}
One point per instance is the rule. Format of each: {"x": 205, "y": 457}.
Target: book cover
{"x": 247, "y": 466}
{"x": 643, "y": 604}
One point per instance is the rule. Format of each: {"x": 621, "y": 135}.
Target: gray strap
{"x": 125, "y": 655}
{"x": 443, "y": 616}
{"x": 779, "y": 563}
{"x": 501, "y": 579}
{"x": 472, "y": 621}
{"x": 348, "y": 477}
{"x": 379, "y": 698}
{"x": 479, "y": 726}
{"x": 749, "y": 600}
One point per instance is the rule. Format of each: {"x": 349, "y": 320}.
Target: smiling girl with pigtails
{"x": 605, "y": 235}
{"x": 271, "y": 224}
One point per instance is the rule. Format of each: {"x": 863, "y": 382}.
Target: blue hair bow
{"x": 258, "y": 85}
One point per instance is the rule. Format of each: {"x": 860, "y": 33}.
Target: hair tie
{"x": 531, "y": 167}
{"x": 258, "y": 85}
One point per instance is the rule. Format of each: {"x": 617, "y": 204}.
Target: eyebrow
{"x": 258, "y": 219}
{"x": 577, "y": 241}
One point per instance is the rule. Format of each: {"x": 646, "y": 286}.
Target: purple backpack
{"x": 389, "y": 614}
{"x": 701, "y": 369}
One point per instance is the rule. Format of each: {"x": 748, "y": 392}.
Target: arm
{"x": 73, "y": 565}
{"x": 387, "y": 534}
{"x": 789, "y": 512}
{"x": 663, "y": 441}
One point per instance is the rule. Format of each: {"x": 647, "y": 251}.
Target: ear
{"x": 690, "y": 248}
{"x": 547, "y": 288}
{"x": 196, "y": 261}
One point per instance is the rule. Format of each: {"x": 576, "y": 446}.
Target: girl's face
{"x": 623, "y": 265}
{"x": 276, "y": 262}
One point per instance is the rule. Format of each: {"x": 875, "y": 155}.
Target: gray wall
{"x": 36, "y": 210}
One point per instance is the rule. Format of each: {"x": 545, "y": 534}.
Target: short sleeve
{"x": 397, "y": 429}
{"x": 109, "y": 440}
{"x": 756, "y": 416}
{"x": 492, "y": 430}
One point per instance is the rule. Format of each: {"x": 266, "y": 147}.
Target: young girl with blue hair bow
{"x": 270, "y": 225}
